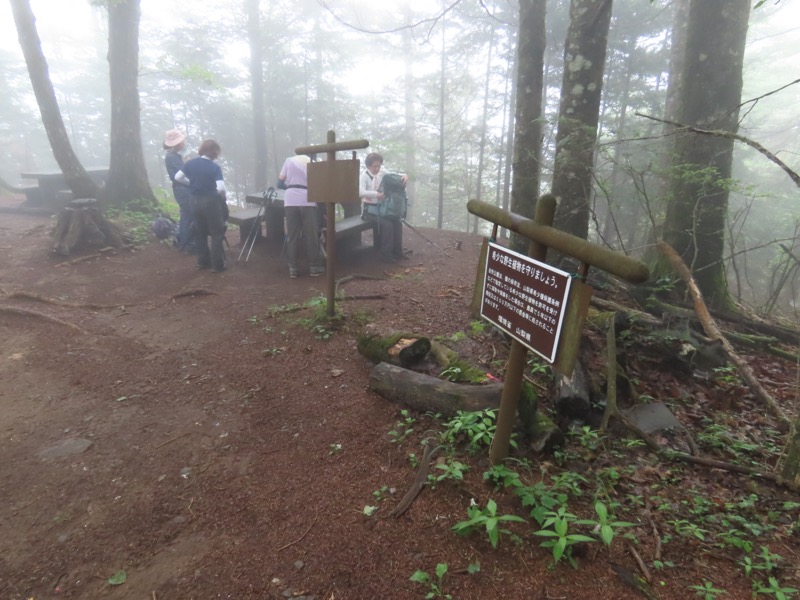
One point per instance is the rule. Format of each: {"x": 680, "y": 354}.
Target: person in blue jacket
{"x": 174, "y": 143}
{"x": 204, "y": 178}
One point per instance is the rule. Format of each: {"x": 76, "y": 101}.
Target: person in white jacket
{"x": 388, "y": 229}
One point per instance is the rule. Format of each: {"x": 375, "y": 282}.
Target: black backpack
{"x": 395, "y": 202}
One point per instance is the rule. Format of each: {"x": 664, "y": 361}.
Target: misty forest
{"x": 662, "y": 133}
{"x": 652, "y": 120}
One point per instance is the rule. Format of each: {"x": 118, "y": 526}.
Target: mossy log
{"x": 424, "y": 393}
{"x": 403, "y": 349}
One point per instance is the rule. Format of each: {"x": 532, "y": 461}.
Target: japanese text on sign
{"x": 525, "y": 298}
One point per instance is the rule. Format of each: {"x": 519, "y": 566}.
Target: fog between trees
{"x": 436, "y": 99}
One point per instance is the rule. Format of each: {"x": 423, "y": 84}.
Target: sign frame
{"x": 518, "y": 285}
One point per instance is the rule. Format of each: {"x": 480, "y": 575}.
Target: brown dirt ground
{"x": 232, "y": 452}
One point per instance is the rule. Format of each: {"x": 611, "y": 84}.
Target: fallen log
{"x": 404, "y": 349}
{"x": 424, "y": 393}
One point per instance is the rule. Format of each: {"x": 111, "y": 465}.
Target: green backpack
{"x": 395, "y": 202}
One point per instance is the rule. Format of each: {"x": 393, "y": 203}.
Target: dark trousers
{"x": 390, "y": 232}
{"x": 302, "y": 222}
{"x": 185, "y": 232}
{"x": 209, "y": 221}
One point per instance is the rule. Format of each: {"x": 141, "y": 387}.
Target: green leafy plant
{"x": 706, "y": 591}
{"x": 403, "y": 428}
{"x": 502, "y": 477}
{"x": 560, "y": 541}
{"x": 688, "y": 529}
{"x": 605, "y": 525}
{"x": 477, "y": 327}
{"x": 453, "y": 470}
{"x": 451, "y": 373}
{"x": 434, "y": 584}
{"x": 774, "y": 588}
{"x": 477, "y": 428}
{"x": 488, "y": 519}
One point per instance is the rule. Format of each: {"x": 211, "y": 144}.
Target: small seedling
{"x": 707, "y": 591}
{"x": 435, "y": 584}
{"x": 486, "y": 518}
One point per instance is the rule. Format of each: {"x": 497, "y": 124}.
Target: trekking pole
{"x": 412, "y": 228}
{"x": 252, "y": 233}
{"x": 257, "y": 224}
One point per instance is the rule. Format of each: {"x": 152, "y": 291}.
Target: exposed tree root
{"x": 419, "y": 482}
{"x": 340, "y": 282}
{"x": 12, "y": 310}
{"x": 193, "y": 292}
{"x": 42, "y": 299}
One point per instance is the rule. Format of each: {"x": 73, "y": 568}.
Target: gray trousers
{"x": 302, "y": 226}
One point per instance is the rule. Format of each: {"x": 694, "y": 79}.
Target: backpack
{"x": 164, "y": 228}
{"x": 395, "y": 202}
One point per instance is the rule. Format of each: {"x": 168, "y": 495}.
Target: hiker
{"x": 302, "y": 217}
{"x": 174, "y": 144}
{"x": 204, "y": 178}
{"x": 387, "y": 219}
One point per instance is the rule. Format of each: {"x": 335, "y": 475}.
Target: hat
{"x": 174, "y": 137}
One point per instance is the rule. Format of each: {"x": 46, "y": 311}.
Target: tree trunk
{"x": 584, "y": 63}
{"x": 411, "y": 123}
{"x": 528, "y": 125}
{"x": 257, "y": 93}
{"x": 442, "y": 91}
{"x": 710, "y": 96}
{"x": 76, "y": 176}
{"x": 127, "y": 177}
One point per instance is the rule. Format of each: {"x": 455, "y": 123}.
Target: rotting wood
{"x": 714, "y": 333}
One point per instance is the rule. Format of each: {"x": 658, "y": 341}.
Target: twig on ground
{"x": 169, "y": 441}
{"x": 642, "y": 567}
{"x": 657, "y": 537}
{"x": 300, "y": 538}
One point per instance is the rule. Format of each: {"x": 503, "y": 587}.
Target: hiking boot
{"x": 316, "y": 272}
{"x": 203, "y": 266}
{"x": 292, "y": 273}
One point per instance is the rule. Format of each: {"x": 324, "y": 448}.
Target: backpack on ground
{"x": 164, "y": 228}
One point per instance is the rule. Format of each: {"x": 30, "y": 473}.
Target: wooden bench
{"x": 351, "y": 226}
{"x": 245, "y": 218}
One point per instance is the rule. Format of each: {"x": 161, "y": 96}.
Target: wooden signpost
{"x": 538, "y": 305}
{"x": 330, "y": 182}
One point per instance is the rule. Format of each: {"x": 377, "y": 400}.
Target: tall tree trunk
{"x": 528, "y": 125}
{"x": 484, "y": 118}
{"x": 127, "y": 176}
{"x": 411, "y": 122}
{"x": 711, "y": 94}
{"x": 257, "y": 93}
{"x": 76, "y": 176}
{"x": 582, "y": 83}
{"x": 442, "y": 86}
{"x": 509, "y": 149}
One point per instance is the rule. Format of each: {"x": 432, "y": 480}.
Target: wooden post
{"x": 512, "y": 384}
{"x": 330, "y": 238}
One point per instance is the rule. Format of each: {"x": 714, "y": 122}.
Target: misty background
{"x": 356, "y": 67}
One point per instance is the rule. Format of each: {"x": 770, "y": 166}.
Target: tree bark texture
{"x": 257, "y": 92}
{"x": 711, "y": 94}
{"x": 76, "y": 176}
{"x": 584, "y": 63}
{"x": 528, "y": 118}
{"x": 127, "y": 176}
{"x": 79, "y": 227}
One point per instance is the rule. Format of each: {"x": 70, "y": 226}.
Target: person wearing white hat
{"x": 174, "y": 143}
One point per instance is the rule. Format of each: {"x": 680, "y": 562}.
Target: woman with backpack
{"x": 380, "y": 208}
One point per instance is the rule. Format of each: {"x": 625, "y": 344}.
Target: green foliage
{"x": 605, "y": 525}
{"x": 556, "y": 528}
{"x": 774, "y": 588}
{"x": 476, "y": 428}
{"x": 488, "y": 519}
{"x": 403, "y": 428}
{"x": 501, "y": 477}
{"x": 707, "y": 591}
{"x": 477, "y": 327}
{"x": 452, "y": 469}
